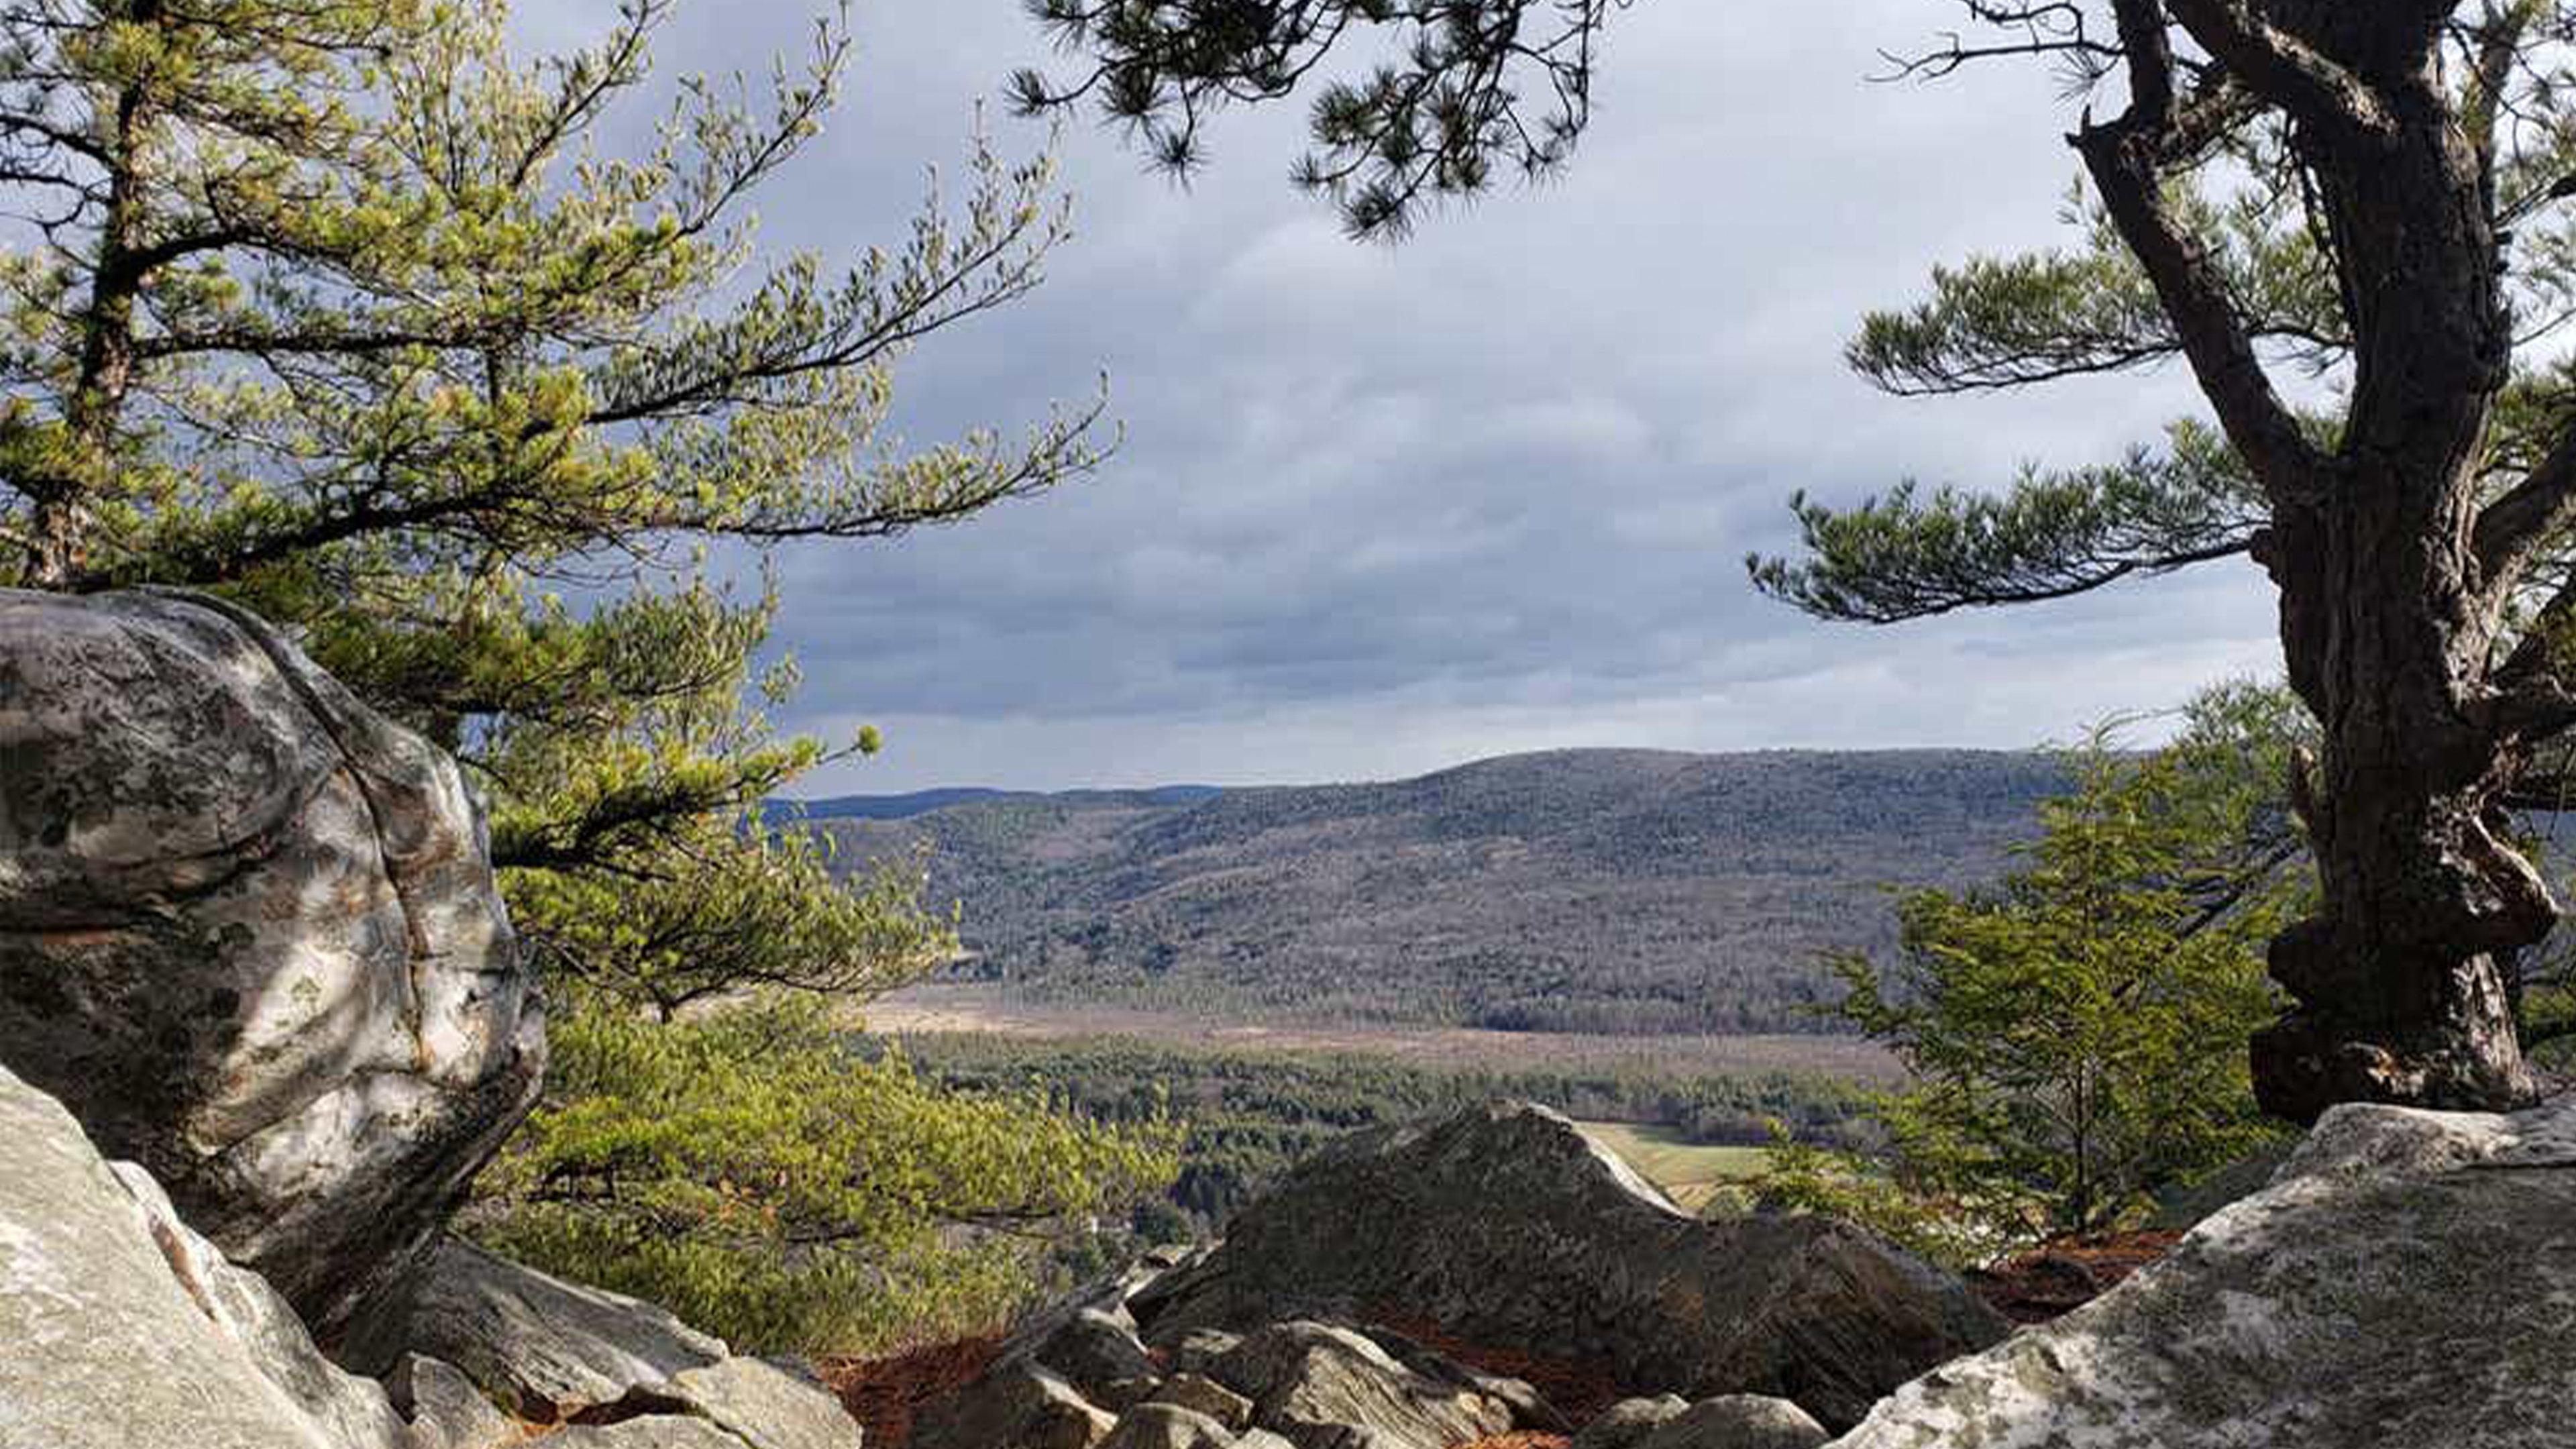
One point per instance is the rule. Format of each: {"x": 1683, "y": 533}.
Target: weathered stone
{"x": 122, "y": 1329}
{"x": 1202, "y": 1395}
{"x": 350, "y": 1409}
{"x": 1624, "y": 1423}
{"x": 543, "y": 1347}
{"x": 659, "y": 1431}
{"x": 1530, "y": 1410}
{"x": 1505, "y": 1227}
{"x": 1099, "y": 1354}
{"x": 1167, "y": 1426}
{"x": 1015, "y": 1405}
{"x": 1738, "y": 1421}
{"x": 1194, "y": 1351}
{"x": 763, "y": 1405}
{"x": 445, "y": 1409}
{"x": 2408, "y": 1281}
{"x": 1323, "y": 1387}
{"x": 249, "y": 936}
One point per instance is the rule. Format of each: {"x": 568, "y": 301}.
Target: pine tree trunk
{"x": 2396, "y": 983}
{"x": 2389, "y": 626}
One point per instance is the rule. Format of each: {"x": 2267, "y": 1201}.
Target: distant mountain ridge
{"x": 1624, "y": 891}
{"x": 922, "y": 802}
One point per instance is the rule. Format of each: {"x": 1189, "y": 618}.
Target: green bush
{"x": 746, "y": 1169}
{"x": 2077, "y": 1034}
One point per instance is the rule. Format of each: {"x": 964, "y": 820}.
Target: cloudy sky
{"x": 1382, "y": 510}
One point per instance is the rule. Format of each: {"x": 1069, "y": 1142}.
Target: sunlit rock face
{"x": 2408, "y": 1281}
{"x": 121, "y": 1329}
{"x": 249, "y": 935}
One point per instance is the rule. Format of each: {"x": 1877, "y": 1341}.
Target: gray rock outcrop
{"x": 1205, "y": 1396}
{"x": 122, "y": 1329}
{"x": 446, "y": 1410}
{"x": 1505, "y": 1227}
{"x": 249, "y": 936}
{"x": 1074, "y": 1377}
{"x": 759, "y": 1404}
{"x": 2408, "y": 1281}
{"x": 555, "y": 1352}
{"x": 1168, "y": 1426}
{"x": 1624, "y": 1423}
{"x": 1019, "y": 1404}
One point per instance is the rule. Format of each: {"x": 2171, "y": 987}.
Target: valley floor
{"x": 945, "y": 1008}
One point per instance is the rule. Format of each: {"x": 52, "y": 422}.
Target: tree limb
{"x": 2125, "y": 158}
{"x": 2319, "y": 93}
{"x": 2510, "y": 528}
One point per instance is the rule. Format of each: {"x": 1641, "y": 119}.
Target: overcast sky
{"x": 1382, "y": 510}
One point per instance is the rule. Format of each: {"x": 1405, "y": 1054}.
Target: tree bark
{"x": 2389, "y": 627}
{"x": 2397, "y": 988}
{"x": 58, "y": 525}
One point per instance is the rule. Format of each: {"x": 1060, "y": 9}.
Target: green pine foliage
{"x": 353, "y": 316}
{"x": 348, "y": 313}
{"x": 747, "y": 1169}
{"x": 2076, "y": 1034}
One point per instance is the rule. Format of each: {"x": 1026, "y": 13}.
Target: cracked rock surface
{"x": 249, "y": 935}
{"x": 2408, "y": 1281}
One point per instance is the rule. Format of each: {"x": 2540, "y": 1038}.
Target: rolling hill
{"x": 1621, "y": 891}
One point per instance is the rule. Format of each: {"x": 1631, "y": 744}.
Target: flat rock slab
{"x": 2408, "y": 1281}
{"x": 542, "y": 1346}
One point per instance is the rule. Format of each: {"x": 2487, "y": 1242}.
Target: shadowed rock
{"x": 249, "y": 936}
{"x": 547, "y": 1348}
{"x": 1324, "y": 1387}
{"x": 1504, "y": 1227}
{"x": 1737, "y": 1421}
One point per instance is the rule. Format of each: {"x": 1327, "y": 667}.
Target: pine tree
{"x": 339, "y": 310}
{"x": 2073, "y": 1032}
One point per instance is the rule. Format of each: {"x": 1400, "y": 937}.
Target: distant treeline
{"x": 1249, "y": 1117}
{"x": 1600, "y": 891}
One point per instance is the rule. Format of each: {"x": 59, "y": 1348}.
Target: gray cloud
{"x": 1382, "y": 510}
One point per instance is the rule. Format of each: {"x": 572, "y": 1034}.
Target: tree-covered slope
{"x": 1593, "y": 890}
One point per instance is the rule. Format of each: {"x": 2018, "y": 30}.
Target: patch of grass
{"x": 1689, "y": 1173}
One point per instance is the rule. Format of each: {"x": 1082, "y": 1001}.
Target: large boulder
{"x": 122, "y": 1329}
{"x": 249, "y": 936}
{"x": 1505, "y": 1228}
{"x": 2408, "y": 1281}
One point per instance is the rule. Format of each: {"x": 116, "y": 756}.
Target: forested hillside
{"x": 1595, "y": 890}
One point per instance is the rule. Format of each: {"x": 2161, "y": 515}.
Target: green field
{"x": 1689, "y": 1173}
